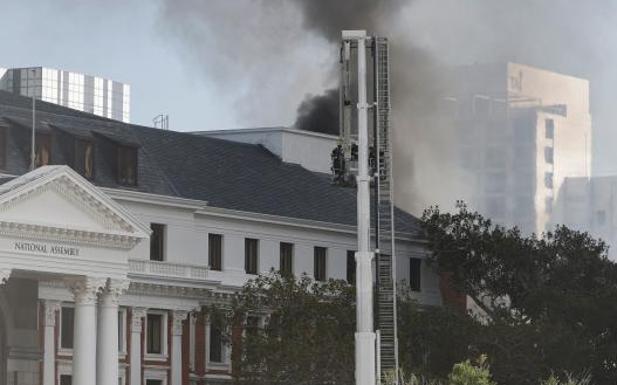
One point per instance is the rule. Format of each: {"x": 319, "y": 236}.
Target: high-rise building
{"x": 518, "y": 132}
{"x": 81, "y": 92}
{"x": 589, "y": 204}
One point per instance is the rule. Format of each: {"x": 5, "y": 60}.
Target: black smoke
{"x": 320, "y": 113}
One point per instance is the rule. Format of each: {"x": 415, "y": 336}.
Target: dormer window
{"x": 127, "y": 165}
{"x": 42, "y": 150}
{"x": 83, "y": 162}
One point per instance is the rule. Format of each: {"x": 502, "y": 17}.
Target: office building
{"x": 517, "y": 133}
{"x": 92, "y": 94}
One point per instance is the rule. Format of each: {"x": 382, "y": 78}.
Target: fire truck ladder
{"x": 386, "y": 261}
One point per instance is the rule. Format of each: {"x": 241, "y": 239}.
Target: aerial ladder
{"x": 363, "y": 159}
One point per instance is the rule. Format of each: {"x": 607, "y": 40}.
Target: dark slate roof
{"x": 226, "y": 174}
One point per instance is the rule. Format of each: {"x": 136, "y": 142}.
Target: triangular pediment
{"x": 58, "y": 198}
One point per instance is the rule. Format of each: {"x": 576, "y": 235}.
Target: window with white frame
{"x": 156, "y": 334}
{"x": 216, "y": 343}
{"x": 217, "y": 349}
{"x": 67, "y": 320}
{"x": 155, "y": 377}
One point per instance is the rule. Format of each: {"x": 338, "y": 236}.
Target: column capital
{"x": 137, "y": 313}
{"x": 113, "y": 289}
{"x": 178, "y": 317}
{"x": 51, "y": 307}
{"x": 4, "y": 275}
{"x": 85, "y": 289}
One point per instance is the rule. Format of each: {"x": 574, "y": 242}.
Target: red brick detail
{"x": 236, "y": 345}
{"x": 449, "y": 295}
{"x": 186, "y": 351}
{"x": 200, "y": 344}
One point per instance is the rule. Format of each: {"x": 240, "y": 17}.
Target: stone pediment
{"x": 54, "y": 202}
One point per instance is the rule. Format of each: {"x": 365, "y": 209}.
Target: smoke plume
{"x": 269, "y": 56}
{"x": 320, "y": 113}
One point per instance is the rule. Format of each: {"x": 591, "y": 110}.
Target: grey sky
{"x": 126, "y": 41}
{"x": 215, "y": 64}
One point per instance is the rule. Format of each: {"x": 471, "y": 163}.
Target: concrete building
{"x": 112, "y": 250}
{"x": 92, "y": 94}
{"x": 519, "y": 132}
{"x": 310, "y": 150}
{"x": 589, "y": 204}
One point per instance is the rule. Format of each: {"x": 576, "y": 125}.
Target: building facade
{"x": 589, "y": 204}
{"x": 92, "y": 94}
{"x": 516, "y": 132}
{"x": 112, "y": 250}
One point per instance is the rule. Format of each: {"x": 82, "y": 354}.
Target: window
{"x": 548, "y": 155}
{"x": 127, "y": 165}
{"x": 351, "y": 267}
{"x": 252, "y": 325}
{"x": 549, "y": 125}
{"x": 42, "y": 146}
{"x": 67, "y": 319}
{"x": 154, "y": 336}
{"x": 548, "y": 180}
{"x": 215, "y": 251}
{"x": 83, "y": 161}
{"x": 415, "y": 274}
{"x": 2, "y": 147}
{"x": 251, "y": 247}
{"x": 319, "y": 261}
{"x": 287, "y": 250}
{"x": 216, "y": 343}
{"x": 65, "y": 379}
{"x": 157, "y": 242}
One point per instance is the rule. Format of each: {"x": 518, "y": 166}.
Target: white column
{"x": 84, "y": 332}
{"x": 176, "y": 347}
{"x": 107, "y": 342}
{"x": 49, "y": 348}
{"x": 137, "y": 315}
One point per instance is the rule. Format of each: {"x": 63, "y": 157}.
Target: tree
{"x": 550, "y": 300}
{"x": 307, "y": 334}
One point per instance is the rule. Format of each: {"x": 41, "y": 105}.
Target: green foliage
{"x": 307, "y": 337}
{"x": 468, "y": 373}
{"x": 431, "y": 339}
{"x": 550, "y": 301}
{"x": 568, "y": 379}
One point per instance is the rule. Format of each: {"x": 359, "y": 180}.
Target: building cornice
{"x": 202, "y": 208}
{"x": 154, "y": 199}
{"x": 258, "y": 130}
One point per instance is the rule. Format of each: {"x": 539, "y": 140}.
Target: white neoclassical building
{"x": 114, "y": 246}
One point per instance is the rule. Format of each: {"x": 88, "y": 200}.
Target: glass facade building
{"x": 93, "y": 94}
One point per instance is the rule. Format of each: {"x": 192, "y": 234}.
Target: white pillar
{"x": 49, "y": 348}
{"x": 84, "y": 332}
{"x": 107, "y": 341}
{"x": 176, "y": 347}
{"x": 137, "y": 315}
